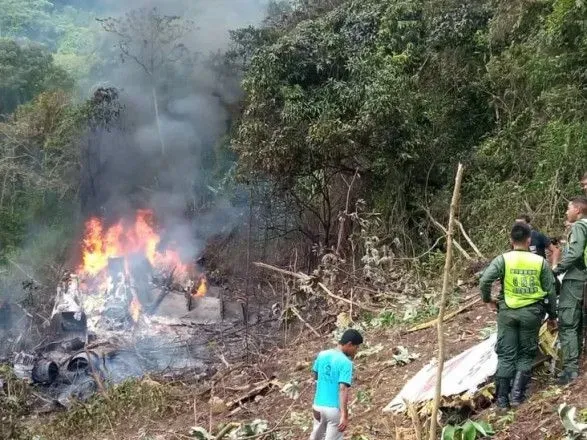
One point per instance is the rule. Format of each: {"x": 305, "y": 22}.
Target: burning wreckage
{"x": 127, "y": 311}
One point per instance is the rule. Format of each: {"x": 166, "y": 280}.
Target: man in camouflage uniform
{"x": 570, "y": 305}
{"x": 527, "y": 294}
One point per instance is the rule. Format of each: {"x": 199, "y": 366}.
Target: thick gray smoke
{"x": 125, "y": 167}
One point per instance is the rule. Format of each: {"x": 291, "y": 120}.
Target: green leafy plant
{"x": 364, "y": 397}
{"x": 506, "y": 419}
{"x": 292, "y": 389}
{"x": 301, "y": 419}
{"x": 200, "y": 433}
{"x": 551, "y": 391}
{"x": 387, "y": 318}
{"x": 485, "y": 332}
{"x": 470, "y": 430}
{"x": 253, "y": 428}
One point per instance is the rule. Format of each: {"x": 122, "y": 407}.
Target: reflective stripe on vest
{"x": 521, "y": 283}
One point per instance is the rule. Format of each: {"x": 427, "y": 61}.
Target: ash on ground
{"x": 126, "y": 329}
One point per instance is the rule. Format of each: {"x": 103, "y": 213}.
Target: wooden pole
{"x": 440, "y": 323}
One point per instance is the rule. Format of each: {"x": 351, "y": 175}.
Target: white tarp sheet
{"x": 463, "y": 373}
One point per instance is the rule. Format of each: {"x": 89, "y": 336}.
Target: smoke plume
{"x": 125, "y": 167}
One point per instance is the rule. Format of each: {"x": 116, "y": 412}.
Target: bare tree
{"x": 153, "y": 42}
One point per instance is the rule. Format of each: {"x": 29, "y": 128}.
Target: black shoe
{"x": 502, "y": 386}
{"x": 521, "y": 382}
{"x": 567, "y": 377}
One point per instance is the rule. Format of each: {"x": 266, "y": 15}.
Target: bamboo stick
{"x": 440, "y": 324}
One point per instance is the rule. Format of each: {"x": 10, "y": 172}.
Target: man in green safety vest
{"x": 572, "y": 268}
{"x": 527, "y": 294}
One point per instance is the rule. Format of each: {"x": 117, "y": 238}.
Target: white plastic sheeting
{"x": 463, "y": 373}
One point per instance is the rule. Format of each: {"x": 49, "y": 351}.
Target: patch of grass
{"x": 384, "y": 319}
{"x": 505, "y": 420}
{"x": 137, "y": 400}
{"x": 551, "y": 391}
{"x": 14, "y": 398}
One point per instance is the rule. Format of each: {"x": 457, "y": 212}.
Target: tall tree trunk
{"x": 440, "y": 320}
{"x": 3, "y": 189}
{"x": 156, "y": 105}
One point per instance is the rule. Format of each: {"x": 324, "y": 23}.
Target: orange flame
{"x": 124, "y": 239}
{"x": 202, "y": 287}
{"x": 135, "y": 309}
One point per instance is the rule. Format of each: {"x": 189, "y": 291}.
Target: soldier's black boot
{"x": 502, "y": 386}
{"x": 521, "y": 382}
{"x": 567, "y": 377}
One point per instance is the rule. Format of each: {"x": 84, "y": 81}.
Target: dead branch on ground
{"x": 308, "y": 278}
{"x": 259, "y": 389}
{"x": 448, "y": 317}
{"x": 348, "y": 301}
{"x": 298, "y": 275}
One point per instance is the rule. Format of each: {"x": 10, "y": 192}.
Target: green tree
{"x": 538, "y": 148}
{"x": 23, "y": 17}
{"x": 388, "y": 91}
{"x": 25, "y": 71}
{"x": 39, "y": 165}
{"x": 76, "y": 44}
{"x": 153, "y": 42}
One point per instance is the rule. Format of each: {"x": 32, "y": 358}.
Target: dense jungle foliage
{"x": 400, "y": 91}
{"x": 345, "y": 105}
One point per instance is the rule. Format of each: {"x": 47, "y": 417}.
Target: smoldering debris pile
{"x": 109, "y": 335}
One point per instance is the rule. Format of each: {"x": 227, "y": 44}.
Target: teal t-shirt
{"x": 333, "y": 368}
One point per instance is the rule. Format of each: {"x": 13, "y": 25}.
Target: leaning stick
{"x": 440, "y": 321}
{"x": 312, "y": 329}
{"x": 473, "y": 246}
{"x": 454, "y": 242}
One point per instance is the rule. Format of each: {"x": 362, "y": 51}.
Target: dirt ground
{"x": 376, "y": 384}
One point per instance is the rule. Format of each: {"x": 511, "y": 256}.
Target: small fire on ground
{"x": 115, "y": 257}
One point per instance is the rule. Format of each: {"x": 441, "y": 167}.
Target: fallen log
{"x": 298, "y": 275}
{"x": 259, "y": 389}
{"x": 447, "y": 317}
{"x": 348, "y": 301}
{"x": 221, "y": 374}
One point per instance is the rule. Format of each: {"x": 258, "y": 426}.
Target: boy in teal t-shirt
{"x": 333, "y": 371}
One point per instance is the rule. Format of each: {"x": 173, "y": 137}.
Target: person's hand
{"x": 551, "y": 325}
{"x": 492, "y": 305}
{"x": 344, "y": 422}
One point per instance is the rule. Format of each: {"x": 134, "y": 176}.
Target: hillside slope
{"x": 377, "y": 382}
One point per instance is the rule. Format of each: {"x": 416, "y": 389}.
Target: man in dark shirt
{"x": 539, "y": 242}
